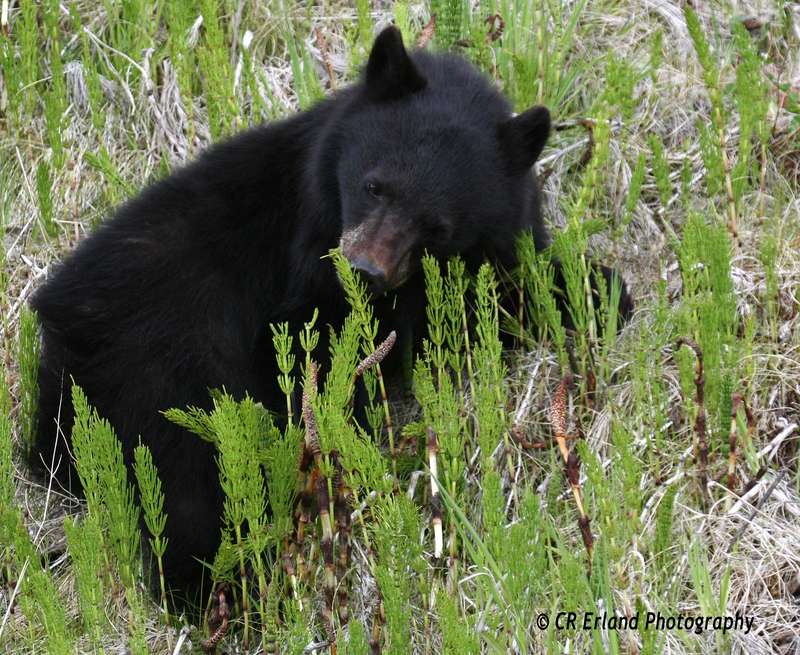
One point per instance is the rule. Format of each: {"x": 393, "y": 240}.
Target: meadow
{"x": 612, "y": 472}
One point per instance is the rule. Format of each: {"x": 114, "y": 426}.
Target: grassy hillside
{"x": 650, "y": 472}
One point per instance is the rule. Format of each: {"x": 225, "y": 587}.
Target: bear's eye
{"x": 373, "y": 188}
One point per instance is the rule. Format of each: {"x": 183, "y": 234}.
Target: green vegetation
{"x": 584, "y": 470}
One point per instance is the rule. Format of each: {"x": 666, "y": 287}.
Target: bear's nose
{"x": 375, "y": 278}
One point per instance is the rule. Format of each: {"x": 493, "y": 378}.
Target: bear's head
{"x": 427, "y": 157}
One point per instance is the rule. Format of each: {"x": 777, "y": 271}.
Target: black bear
{"x": 173, "y": 295}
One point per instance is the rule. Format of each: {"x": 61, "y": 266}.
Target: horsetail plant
{"x": 259, "y": 444}
{"x": 212, "y": 56}
{"x": 280, "y": 456}
{"x": 42, "y": 606}
{"x": 28, "y": 348}
{"x": 10, "y": 517}
{"x": 91, "y": 74}
{"x": 183, "y": 60}
{"x": 449, "y": 19}
{"x": 38, "y": 595}
{"x": 137, "y": 640}
{"x": 536, "y": 277}
{"x": 490, "y": 371}
{"x": 458, "y": 342}
{"x": 282, "y": 341}
{"x": 396, "y": 536}
{"x": 364, "y": 28}
{"x": 152, "y": 501}
{"x": 768, "y": 252}
{"x": 309, "y": 337}
{"x": 459, "y": 637}
{"x": 364, "y": 371}
{"x": 660, "y": 170}
{"x": 436, "y": 313}
{"x": 45, "y": 197}
{"x": 85, "y": 543}
{"x": 101, "y": 469}
{"x": 509, "y": 545}
{"x": 711, "y": 317}
{"x": 338, "y": 460}
{"x": 357, "y": 296}
{"x": 7, "y": 489}
{"x": 55, "y": 98}
{"x": 713, "y": 82}
{"x": 28, "y": 39}
{"x": 445, "y": 434}
{"x": 662, "y": 533}
{"x": 752, "y": 103}
{"x": 111, "y": 500}
{"x": 634, "y": 193}
{"x": 238, "y": 427}
{"x": 307, "y": 84}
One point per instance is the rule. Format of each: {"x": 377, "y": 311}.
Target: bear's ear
{"x": 522, "y": 138}
{"x": 390, "y": 72}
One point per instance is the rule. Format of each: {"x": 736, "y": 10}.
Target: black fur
{"x": 172, "y": 295}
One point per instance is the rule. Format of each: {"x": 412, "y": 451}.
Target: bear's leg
{"x": 50, "y": 455}
{"x": 193, "y": 503}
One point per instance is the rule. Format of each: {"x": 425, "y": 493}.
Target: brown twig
{"x": 731, "y": 481}
{"x": 436, "y": 501}
{"x": 4, "y": 18}
{"x": 700, "y": 443}
{"x": 218, "y": 617}
{"x": 733, "y": 447}
{"x": 558, "y": 419}
{"x": 752, "y": 482}
{"x": 558, "y": 415}
{"x": 588, "y": 124}
{"x": 305, "y": 496}
{"x": 452, "y": 560}
{"x": 377, "y": 624}
{"x": 427, "y": 33}
{"x": 737, "y": 402}
{"x": 320, "y": 486}
{"x": 591, "y": 388}
{"x": 376, "y": 357}
{"x": 756, "y": 506}
{"x": 324, "y": 50}
{"x": 373, "y": 360}
{"x": 496, "y": 27}
{"x": 326, "y": 547}
{"x": 341, "y": 507}
{"x": 312, "y": 431}
{"x": 522, "y": 442}
{"x": 303, "y": 518}
{"x": 389, "y": 423}
{"x": 727, "y": 167}
{"x": 289, "y": 552}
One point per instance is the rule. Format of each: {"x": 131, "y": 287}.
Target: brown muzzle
{"x": 379, "y": 249}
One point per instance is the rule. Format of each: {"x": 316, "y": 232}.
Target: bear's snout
{"x": 380, "y": 250}
{"x": 374, "y": 277}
